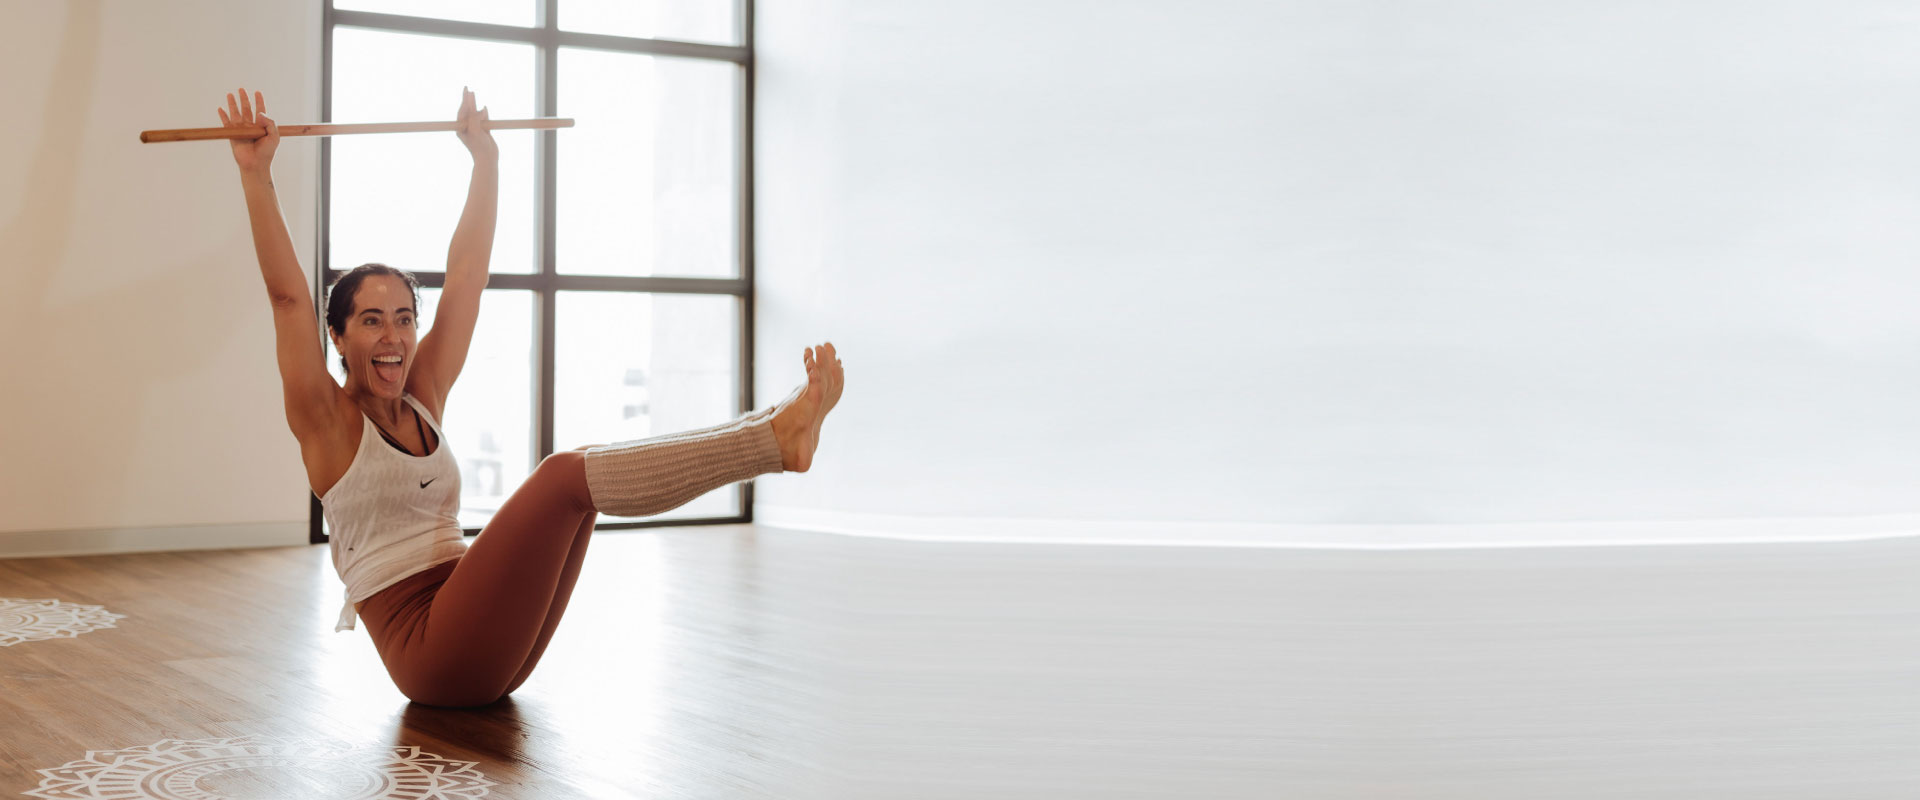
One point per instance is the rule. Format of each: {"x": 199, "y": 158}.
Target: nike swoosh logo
{"x": 429, "y": 480}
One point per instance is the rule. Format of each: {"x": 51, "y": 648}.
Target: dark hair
{"x": 340, "y": 295}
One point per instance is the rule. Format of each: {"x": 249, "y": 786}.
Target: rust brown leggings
{"x": 468, "y": 632}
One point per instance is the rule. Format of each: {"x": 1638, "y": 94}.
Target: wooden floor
{"x": 744, "y": 661}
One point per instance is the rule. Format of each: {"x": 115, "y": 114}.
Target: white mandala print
{"x": 32, "y": 620}
{"x": 262, "y": 767}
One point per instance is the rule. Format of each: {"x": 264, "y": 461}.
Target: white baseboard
{"x": 107, "y": 541}
{"x": 1339, "y": 537}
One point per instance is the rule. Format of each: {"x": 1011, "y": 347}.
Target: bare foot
{"x": 797, "y": 427}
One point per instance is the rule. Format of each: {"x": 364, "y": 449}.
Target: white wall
{"x": 141, "y": 385}
{"x": 1313, "y": 262}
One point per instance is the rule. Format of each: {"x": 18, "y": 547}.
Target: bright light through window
{"x": 498, "y": 12}
{"x": 647, "y": 179}
{"x": 633, "y": 365}
{"x": 685, "y": 20}
{"x": 396, "y": 198}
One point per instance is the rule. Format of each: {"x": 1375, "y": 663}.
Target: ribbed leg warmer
{"x": 651, "y": 476}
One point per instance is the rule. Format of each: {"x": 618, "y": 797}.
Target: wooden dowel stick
{"x": 257, "y": 131}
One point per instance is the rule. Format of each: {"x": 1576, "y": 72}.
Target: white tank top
{"x": 393, "y": 514}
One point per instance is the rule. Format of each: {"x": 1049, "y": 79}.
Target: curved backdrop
{"x": 1288, "y": 265}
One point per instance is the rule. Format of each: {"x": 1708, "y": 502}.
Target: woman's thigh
{"x": 569, "y": 575}
{"x": 488, "y": 616}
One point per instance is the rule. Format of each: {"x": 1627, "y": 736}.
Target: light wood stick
{"x": 257, "y": 131}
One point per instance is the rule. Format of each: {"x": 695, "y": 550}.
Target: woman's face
{"x": 379, "y": 341}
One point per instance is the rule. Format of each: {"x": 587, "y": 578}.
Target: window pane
{"x": 683, "y": 20}
{"x": 490, "y": 410}
{"x": 498, "y": 12}
{"x": 647, "y": 184}
{"x": 489, "y": 420}
{"x": 632, "y": 365}
{"x": 396, "y": 198}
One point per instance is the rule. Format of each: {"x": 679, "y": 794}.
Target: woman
{"x": 456, "y": 624}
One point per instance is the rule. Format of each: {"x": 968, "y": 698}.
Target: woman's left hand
{"x": 474, "y": 134}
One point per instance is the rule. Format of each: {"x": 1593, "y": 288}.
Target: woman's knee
{"x": 567, "y": 462}
{"x": 566, "y": 472}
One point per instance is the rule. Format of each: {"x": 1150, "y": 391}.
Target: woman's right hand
{"x": 251, "y": 154}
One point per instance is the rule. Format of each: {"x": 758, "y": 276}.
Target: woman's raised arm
{"x": 443, "y": 351}
{"x": 310, "y": 391}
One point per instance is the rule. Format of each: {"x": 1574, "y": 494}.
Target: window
{"x": 620, "y": 295}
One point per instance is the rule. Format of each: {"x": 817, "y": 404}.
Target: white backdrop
{"x": 1313, "y": 262}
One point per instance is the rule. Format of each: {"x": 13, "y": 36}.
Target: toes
{"x": 822, "y": 355}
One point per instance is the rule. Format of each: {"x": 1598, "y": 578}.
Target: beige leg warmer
{"x": 652, "y": 476}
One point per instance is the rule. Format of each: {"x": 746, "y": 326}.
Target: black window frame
{"x": 547, "y": 38}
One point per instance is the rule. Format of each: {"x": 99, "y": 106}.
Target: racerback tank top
{"x": 392, "y": 514}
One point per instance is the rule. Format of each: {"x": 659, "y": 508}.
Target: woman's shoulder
{"x": 429, "y": 400}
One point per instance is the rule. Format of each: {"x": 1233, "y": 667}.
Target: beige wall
{"x": 141, "y": 389}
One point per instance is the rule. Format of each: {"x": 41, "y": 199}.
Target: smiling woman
{"x": 458, "y": 624}
{"x": 343, "y": 304}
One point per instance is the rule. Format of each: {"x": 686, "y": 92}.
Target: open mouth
{"x": 387, "y": 368}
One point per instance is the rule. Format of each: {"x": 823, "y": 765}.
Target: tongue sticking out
{"x": 387, "y": 372}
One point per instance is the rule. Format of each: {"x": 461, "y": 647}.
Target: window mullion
{"x": 547, "y": 100}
